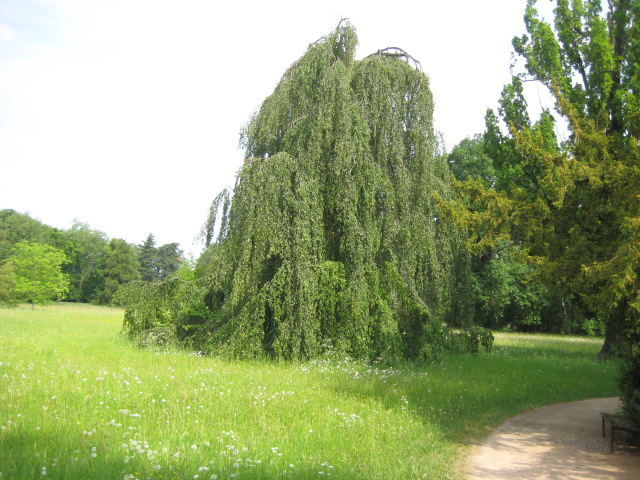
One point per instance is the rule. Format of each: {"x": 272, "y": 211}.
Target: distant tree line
{"x": 81, "y": 264}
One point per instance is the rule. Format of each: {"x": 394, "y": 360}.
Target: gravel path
{"x": 557, "y": 442}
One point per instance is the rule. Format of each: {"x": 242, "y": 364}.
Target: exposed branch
{"x": 579, "y": 31}
{"x": 295, "y": 64}
{"x": 498, "y": 250}
{"x": 299, "y": 119}
{"x": 396, "y": 52}
{"x": 527, "y": 80}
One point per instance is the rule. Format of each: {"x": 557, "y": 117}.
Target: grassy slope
{"x": 77, "y": 401}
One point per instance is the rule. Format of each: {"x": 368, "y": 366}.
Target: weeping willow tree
{"x": 331, "y": 239}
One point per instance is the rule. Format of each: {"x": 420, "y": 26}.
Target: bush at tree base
{"x": 332, "y": 239}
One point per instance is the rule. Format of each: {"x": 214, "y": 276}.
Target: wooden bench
{"x": 623, "y": 422}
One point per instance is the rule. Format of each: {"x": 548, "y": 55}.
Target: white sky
{"x": 126, "y": 114}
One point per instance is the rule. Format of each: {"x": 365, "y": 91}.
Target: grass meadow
{"x": 78, "y": 401}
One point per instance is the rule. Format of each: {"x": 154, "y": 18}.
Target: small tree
{"x": 38, "y": 273}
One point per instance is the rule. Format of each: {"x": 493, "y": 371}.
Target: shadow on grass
{"x": 40, "y": 455}
{"x": 464, "y": 400}
{"x": 465, "y": 397}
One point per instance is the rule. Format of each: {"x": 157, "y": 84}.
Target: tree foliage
{"x": 469, "y": 159}
{"x": 95, "y": 265}
{"x": 169, "y": 260}
{"x": 120, "y": 267}
{"x": 148, "y": 257}
{"x": 19, "y": 227}
{"x": 38, "y": 273}
{"x": 85, "y": 249}
{"x": 332, "y": 239}
{"x": 157, "y": 263}
{"x": 591, "y": 59}
{"x": 591, "y": 189}
{"x": 576, "y": 209}
{"x": 510, "y": 292}
{"x": 7, "y": 284}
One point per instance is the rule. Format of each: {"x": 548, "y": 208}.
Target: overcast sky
{"x": 125, "y": 114}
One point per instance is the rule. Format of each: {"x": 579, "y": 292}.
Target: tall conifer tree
{"x": 148, "y": 256}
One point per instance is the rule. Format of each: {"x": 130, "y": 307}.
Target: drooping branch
{"x": 330, "y": 240}
{"x": 220, "y": 204}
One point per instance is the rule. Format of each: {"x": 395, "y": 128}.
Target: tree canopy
{"x": 157, "y": 263}
{"x": 331, "y": 239}
{"x": 19, "y": 227}
{"x": 120, "y": 267}
{"x": 589, "y": 192}
{"x": 86, "y": 249}
{"x": 573, "y": 208}
{"x": 148, "y": 257}
{"x": 38, "y": 273}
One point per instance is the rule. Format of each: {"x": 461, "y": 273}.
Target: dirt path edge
{"x": 562, "y": 441}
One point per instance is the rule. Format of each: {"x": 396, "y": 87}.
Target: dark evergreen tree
{"x": 148, "y": 257}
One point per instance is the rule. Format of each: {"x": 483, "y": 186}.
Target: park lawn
{"x": 78, "y": 401}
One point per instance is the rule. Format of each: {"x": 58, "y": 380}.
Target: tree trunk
{"x": 565, "y": 316}
{"x": 614, "y": 344}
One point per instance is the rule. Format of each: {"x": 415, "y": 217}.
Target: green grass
{"x": 77, "y": 401}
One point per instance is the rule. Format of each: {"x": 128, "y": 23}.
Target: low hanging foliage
{"x": 332, "y": 241}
